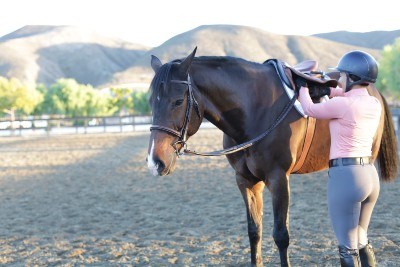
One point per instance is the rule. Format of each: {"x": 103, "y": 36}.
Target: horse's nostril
{"x": 155, "y": 166}
{"x": 159, "y": 165}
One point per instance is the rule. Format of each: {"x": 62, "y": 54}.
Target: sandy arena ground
{"x": 89, "y": 200}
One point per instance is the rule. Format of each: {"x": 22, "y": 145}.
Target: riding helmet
{"x": 360, "y": 64}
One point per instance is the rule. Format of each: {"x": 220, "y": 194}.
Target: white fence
{"x": 49, "y": 126}
{"x": 83, "y": 125}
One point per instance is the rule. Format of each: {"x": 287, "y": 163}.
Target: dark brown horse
{"x": 243, "y": 99}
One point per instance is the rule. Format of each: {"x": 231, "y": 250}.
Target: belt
{"x": 349, "y": 161}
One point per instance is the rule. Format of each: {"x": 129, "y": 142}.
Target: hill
{"x": 245, "y": 42}
{"x": 372, "y": 40}
{"x": 43, "y": 54}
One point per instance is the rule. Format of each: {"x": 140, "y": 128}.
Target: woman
{"x": 353, "y": 186}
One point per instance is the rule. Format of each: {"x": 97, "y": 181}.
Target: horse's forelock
{"x": 162, "y": 76}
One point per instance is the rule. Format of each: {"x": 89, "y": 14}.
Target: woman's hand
{"x": 318, "y": 91}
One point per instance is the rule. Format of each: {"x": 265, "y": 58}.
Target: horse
{"x": 243, "y": 99}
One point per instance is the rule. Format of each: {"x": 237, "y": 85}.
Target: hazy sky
{"x": 151, "y": 22}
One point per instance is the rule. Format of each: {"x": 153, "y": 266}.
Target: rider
{"x": 353, "y": 185}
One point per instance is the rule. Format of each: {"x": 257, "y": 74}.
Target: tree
{"x": 121, "y": 101}
{"x": 17, "y": 98}
{"x": 69, "y": 98}
{"x": 389, "y": 70}
{"x": 126, "y": 101}
{"x": 97, "y": 103}
{"x": 141, "y": 102}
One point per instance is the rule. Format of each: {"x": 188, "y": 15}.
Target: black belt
{"x": 349, "y": 161}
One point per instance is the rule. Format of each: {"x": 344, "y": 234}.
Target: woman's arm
{"x": 333, "y": 108}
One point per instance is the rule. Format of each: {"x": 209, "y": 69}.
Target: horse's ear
{"x": 185, "y": 65}
{"x": 155, "y": 63}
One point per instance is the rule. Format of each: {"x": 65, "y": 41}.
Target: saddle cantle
{"x": 307, "y": 70}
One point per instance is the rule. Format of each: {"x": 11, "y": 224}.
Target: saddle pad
{"x": 290, "y": 94}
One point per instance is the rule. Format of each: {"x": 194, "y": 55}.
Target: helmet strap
{"x": 350, "y": 83}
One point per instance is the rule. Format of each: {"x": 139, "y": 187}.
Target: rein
{"x": 182, "y": 134}
{"x": 251, "y": 142}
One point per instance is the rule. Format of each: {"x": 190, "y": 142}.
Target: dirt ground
{"x": 89, "y": 200}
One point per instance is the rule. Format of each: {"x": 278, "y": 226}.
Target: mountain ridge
{"x": 245, "y": 42}
{"x": 373, "y": 39}
{"x": 44, "y": 53}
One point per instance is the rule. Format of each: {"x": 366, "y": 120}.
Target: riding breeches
{"x": 352, "y": 193}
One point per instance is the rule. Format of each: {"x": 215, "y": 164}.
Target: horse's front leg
{"x": 252, "y": 192}
{"x": 279, "y": 187}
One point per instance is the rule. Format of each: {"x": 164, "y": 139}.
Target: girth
{"x": 306, "y": 145}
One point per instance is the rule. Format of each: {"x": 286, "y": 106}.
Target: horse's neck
{"x": 227, "y": 103}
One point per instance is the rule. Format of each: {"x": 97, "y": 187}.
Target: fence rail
{"x": 49, "y": 126}
{"x": 24, "y": 126}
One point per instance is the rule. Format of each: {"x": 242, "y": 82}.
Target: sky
{"x": 151, "y": 22}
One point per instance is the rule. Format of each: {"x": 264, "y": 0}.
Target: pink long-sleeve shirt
{"x": 354, "y": 118}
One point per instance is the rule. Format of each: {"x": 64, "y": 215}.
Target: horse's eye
{"x": 178, "y": 102}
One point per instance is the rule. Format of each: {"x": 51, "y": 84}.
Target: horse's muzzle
{"x": 155, "y": 166}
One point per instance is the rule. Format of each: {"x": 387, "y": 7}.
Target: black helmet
{"x": 359, "y": 64}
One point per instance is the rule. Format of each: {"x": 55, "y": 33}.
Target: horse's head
{"x": 176, "y": 114}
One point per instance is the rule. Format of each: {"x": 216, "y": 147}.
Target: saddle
{"x": 306, "y": 70}
{"x": 317, "y": 81}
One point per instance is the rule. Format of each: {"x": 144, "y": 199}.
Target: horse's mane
{"x": 223, "y": 60}
{"x": 163, "y": 73}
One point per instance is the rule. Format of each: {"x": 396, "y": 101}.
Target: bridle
{"x": 182, "y": 134}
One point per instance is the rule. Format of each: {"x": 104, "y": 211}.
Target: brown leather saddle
{"x": 307, "y": 70}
